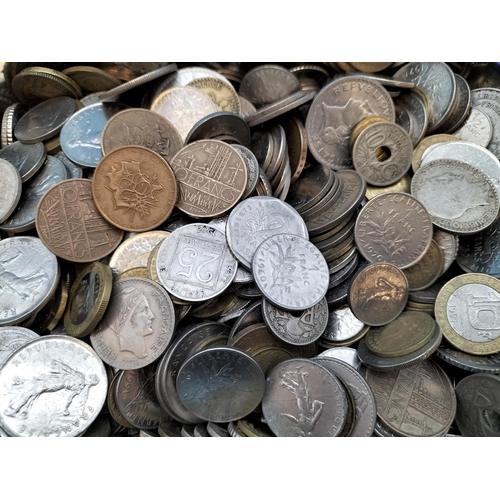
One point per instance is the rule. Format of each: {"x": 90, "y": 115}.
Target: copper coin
{"x": 134, "y": 188}
{"x": 378, "y": 294}
{"x": 212, "y": 178}
{"x": 70, "y": 225}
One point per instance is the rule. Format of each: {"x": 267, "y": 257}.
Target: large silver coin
{"x": 27, "y": 158}
{"x": 346, "y": 354}
{"x": 459, "y": 197}
{"x": 52, "y": 386}
{"x": 220, "y": 384}
{"x": 412, "y": 115}
{"x": 138, "y": 324}
{"x": 29, "y": 274}
{"x": 343, "y": 327}
{"x": 448, "y": 243}
{"x": 10, "y": 187}
{"x": 254, "y": 220}
{"x": 12, "y": 338}
{"x": 290, "y": 272}
{"x": 488, "y": 101}
{"x": 336, "y": 110}
{"x": 195, "y": 264}
{"x": 304, "y": 399}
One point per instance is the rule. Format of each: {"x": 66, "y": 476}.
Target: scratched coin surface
{"x": 254, "y": 220}
{"x": 52, "y": 386}
{"x": 304, "y": 399}
{"x": 290, "y": 272}
{"x": 134, "y": 188}
{"x": 394, "y": 228}
{"x": 12, "y": 338}
{"x": 138, "y": 324}
{"x": 141, "y": 127}
{"x": 220, "y": 384}
{"x": 212, "y": 177}
{"x": 195, "y": 264}
{"x": 414, "y": 401}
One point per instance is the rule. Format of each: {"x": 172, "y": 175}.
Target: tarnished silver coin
{"x": 74, "y": 171}
{"x": 10, "y": 187}
{"x": 247, "y": 108}
{"x": 52, "y": 386}
{"x": 336, "y": 109}
{"x": 252, "y": 168}
{"x": 138, "y": 324}
{"x": 29, "y": 275}
{"x": 394, "y": 228}
{"x": 195, "y": 264}
{"x": 220, "y": 384}
{"x": 257, "y": 218}
{"x": 304, "y": 399}
{"x": 478, "y": 405}
{"x": 448, "y": 243}
{"x": 470, "y": 362}
{"x": 478, "y": 128}
{"x": 460, "y": 108}
{"x": 12, "y": 338}
{"x": 345, "y": 354}
{"x": 27, "y": 158}
{"x": 488, "y": 101}
{"x": 290, "y": 272}
{"x": 412, "y": 115}
{"x": 296, "y": 329}
{"x": 458, "y": 197}
{"x": 45, "y": 120}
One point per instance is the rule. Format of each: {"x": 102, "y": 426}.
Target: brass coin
{"x": 362, "y": 125}
{"x": 222, "y": 94}
{"x": 422, "y": 146}
{"x": 427, "y": 270}
{"x": 407, "y": 333}
{"x": 402, "y": 186}
{"x": 296, "y": 139}
{"x": 113, "y": 407}
{"x": 92, "y": 79}
{"x": 88, "y": 299}
{"x": 254, "y": 428}
{"x": 152, "y": 274}
{"x": 134, "y": 188}
{"x": 135, "y": 272}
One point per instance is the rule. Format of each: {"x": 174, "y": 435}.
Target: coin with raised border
{"x": 12, "y": 338}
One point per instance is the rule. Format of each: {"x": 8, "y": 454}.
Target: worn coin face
{"x": 336, "y": 109}
{"x": 394, "y": 228}
{"x": 414, "y": 401}
{"x": 304, "y": 399}
{"x": 69, "y": 223}
{"x": 222, "y": 94}
{"x": 291, "y": 272}
{"x": 92, "y": 79}
{"x": 10, "y": 187}
{"x": 195, "y": 264}
{"x": 12, "y": 338}
{"x": 74, "y": 171}
{"x": 425, "y": 144}
{"x": 412, "y": 115}
{"x": 220, "y": 384}
{"x": 459, "y": 197}
{"x": 134, "y": 188}
{"x": 212, "y": 177}
{"x": 488, "y": 101}
{"x": 138, "y": 324}
{"x": 141, "y": 127}
{"x": 478, "y": 128}
{"x": 52, "y": 386}
{"x": 427, "y": 270}
{"x": 378, "y": 294}
{"x": 27, "y": 158}
{"x": 254, "y": 220}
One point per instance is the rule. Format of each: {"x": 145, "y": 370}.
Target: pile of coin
{"x": 249, "y": 250}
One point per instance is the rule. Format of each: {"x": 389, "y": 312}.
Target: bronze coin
{"x": 378, "y": 294}
{"x": 70, "y": 226}
{"x": 296, "y": 138}
{"x": 134, "y": 188}
{"x": 427, "y": 270}
{"x": 212, "y": 178}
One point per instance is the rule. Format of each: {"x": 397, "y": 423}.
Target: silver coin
{"x": 81, "y": 134}
{"x": 10, "y": 187}
{"x": 252, "y": 168}
{"x": 12, "y": 338}
{"x": 27, "y": 158}
{"x": 251, "y": 315}
{"x": 29, "y": 274}
{"x": 220, "y": 384}
{"x": 187, "y": 430}
{"x": 342, "y": 325}
{"x": 23, "y": 218}
{"x": 488, "y": 101}
{"x": 247, "y": 108}
{"x": 304, "y": 399}
{"x": 448, "y": 243}
{"x": 290, "y": 272}
{"x": 10, "y": 117}
{"x": 459, "y": 197}
{"x": 412, "y": 115}
{"x": 74, "y": 171}
{"x": 45, "y": 120}
{"x": 234, "y": 430}
{"x": 296, "y": 329}
{"x": 216, "y": 430}
{"x": 195, "y": 264}
{"x": 336, "y": 109}
{"x": 52, "y": 386}
{"x": 346, "y": 354}
{"x": 478, "y": 128}
{"x": 201, "y": 431}
{"x": 437, "y": 81}
{"x": 138, "y": 324}
{"x": 470, "y": 362}
{"x": 257, "y": 218}
{"x": 461, "y": 107}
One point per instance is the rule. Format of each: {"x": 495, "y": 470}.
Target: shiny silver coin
{"x": 12, "y": 338}
{"x": 342, "y": 325}
{"x": 201, "y": 431}
{"x": 304, "y": 399}
{"x": 461, "y": 106}
{"x": 257, "y": 218}
{"x": 27, "y": 158}
{"x": 412, "y": 115}
{"x": 346, "y": 354}
{"x": 10, "y": 187}
{"x": 220, "y": 384}
{"x": 488, "y": 101}
{"x": 478, "y": 128}
{"x": 74, "y": 171}
{"x": 251, "y": 315}
{"x": 290, "y": 272}
{"x": 10, "y": 117}
{"x": 52, "y": 386}
{"x": 252, "y": 168}
{"x": 470, "y": 362}
{"x": 448, "y": 243}
{"x": 299, "y": 328}
{"x": 195, "y": 264}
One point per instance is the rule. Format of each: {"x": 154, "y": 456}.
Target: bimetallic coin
{"x": 478, "y": 128}
{"x": 220, "y": 384}
{"x": 12, "y": 338}
{"x": 222, "y": 94}
{"x": 10, "y": 187}
{"x": 138, "y": 324}
{"x": 52, "y": 386}
{"x": 427, "y": 270}
{"x": 27, "y": 158}
{"x": 69, "y": 223}
{"x": 290, "y": 272}
{"x": 304, "y": 399}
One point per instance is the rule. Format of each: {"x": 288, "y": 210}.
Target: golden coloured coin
{"x": 362, "y": 125}
{"x": 134, "y": 188}
{"x": 468, "y": 311}
{"x": 152, "y": 274}
{"x": 92, "y": 79}
{"x": 135, "y": 272}
{"x": 402, "y": 186}
{"x": 419, "y": 151}
{"x": 254, "y": 428}
{"x": 427, "y": 270}
{"x": 221, "y": 93}
{"x": 407, "y": 333}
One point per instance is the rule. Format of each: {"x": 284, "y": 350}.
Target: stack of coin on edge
{"x": 243, "y": 250}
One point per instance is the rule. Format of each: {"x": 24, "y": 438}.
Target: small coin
{"x": 222, "y": 94}
{"x": 427, "y": 270}
{"x": 216, "y": 430}
{"x": 12, "y": 338}
{"x": 26, "y": 158}
{"x": 478, "y": 128}
{"x": 173, "y": 429}
{"x": 253, "y": 428}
